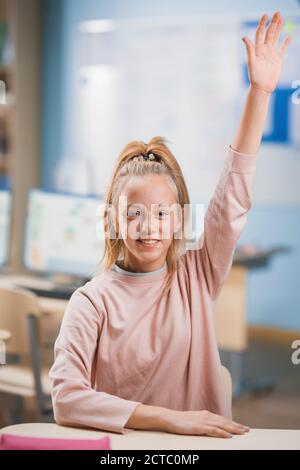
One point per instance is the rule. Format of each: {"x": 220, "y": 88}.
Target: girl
{"x": 137, "y": 347}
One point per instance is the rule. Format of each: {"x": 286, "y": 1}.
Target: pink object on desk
{"x": 12, "y": 442}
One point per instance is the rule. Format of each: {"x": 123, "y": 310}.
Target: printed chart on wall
{"x": 184, "y": 79}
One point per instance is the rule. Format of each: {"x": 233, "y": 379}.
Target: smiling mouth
{"x": 151, "y": 242}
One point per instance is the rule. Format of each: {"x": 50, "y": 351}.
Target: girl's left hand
{"x": 264, "y": 58}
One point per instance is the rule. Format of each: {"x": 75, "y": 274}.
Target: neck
{"x": 139, "y": 267}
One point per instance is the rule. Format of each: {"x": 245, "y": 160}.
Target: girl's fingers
{"x": 222, "y": 419}
{"x": 233, "y": 429}
{"x": 278, "y": 30}
{"x": 272, "y": 28}
{"x": 223, "y": 422}
{"x": 260, "y": 32}
{"x": 249, "y": 45}
{"x": 239, "y": 425}
{"x": 285, "y": 45}
{"x": 214, "y": 431}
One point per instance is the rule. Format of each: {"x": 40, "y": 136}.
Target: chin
{"x": 148, "y": 255}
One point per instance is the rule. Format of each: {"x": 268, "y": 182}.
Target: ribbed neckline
{"x": 117, "y": 268}
{"x": 149, "y": 277}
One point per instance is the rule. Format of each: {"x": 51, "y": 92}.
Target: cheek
{"x": 130, "y": 229}
{"x": 167, "y": 227}
{"x": 166, "y": 244}
{"x": 133, "y": 228}
{"x": 130, "y": 243}
{"x": 177, "y": 221}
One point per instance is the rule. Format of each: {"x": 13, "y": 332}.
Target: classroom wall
{"x": 273, "y": 292}
{"x": 274, "y": 298}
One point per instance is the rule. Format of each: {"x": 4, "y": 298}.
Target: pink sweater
{"x": 120, "y": 346}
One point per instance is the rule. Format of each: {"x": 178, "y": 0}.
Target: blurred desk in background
{"x": 252, "y": 257}
{"x": 52, "y": 309}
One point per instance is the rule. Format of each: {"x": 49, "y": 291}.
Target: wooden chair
{"x": 5, "y": 335}
{"x": 22, "y": 376}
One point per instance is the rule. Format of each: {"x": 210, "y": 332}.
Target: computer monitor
{"x": 5, "y": 217}
{"x": 64, "y": 233}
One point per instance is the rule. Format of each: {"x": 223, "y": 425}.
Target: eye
{"x": 163, "y": 214}
{"x": 133, "y": 213}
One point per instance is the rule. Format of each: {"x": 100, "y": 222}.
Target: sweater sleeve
{"x": 226, "y": 216}
{"x": 75, "y": 402}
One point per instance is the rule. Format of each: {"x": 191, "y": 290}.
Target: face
{"x": 149, "y": 211}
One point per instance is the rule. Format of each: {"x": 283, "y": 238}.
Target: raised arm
{"x": 226, "y": 215}
{"x": 264, "y": 65}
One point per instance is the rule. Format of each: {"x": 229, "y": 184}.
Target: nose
{"x": 148, "y": 225}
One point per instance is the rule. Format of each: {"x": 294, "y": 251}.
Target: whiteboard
{"x": 183, "y": 79}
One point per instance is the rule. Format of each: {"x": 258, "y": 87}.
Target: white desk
{"x": 270, "y": 439}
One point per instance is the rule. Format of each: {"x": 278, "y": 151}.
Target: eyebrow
{"x": 160, "y": 204}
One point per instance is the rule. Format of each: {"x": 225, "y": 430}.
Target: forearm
{"x": 147, "y": 417}
{"x": 249, "y": 134}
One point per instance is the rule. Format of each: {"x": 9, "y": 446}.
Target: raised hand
{"x": 265, "y": 57}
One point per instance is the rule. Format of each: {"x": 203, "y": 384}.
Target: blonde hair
{"x": 125, "y": 167}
